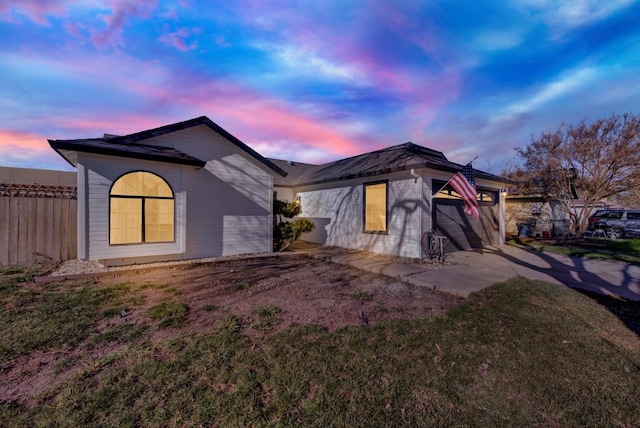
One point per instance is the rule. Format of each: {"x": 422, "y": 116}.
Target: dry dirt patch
{"x": 300, "y": 288}
{"x": 303, "y": 289}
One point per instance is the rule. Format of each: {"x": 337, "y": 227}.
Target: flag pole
{"x": 447, "y": 183}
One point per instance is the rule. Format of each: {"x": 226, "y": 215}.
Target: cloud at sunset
{"x": 120, "y": 12}
{"x": 318, "y": 81}
{"x": 22, "y": 149}
{"x": 36, "y": 10}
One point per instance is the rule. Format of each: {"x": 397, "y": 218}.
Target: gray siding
{"x": 221, "y": 209}
{"x": 229, "y": 204}
{"x": 102, "y": 171}
{"x": 427, "y": 202}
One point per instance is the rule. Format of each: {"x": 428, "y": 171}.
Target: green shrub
{"x": 284, "y": 233}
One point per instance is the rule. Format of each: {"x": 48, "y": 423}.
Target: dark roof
{"x": 128, "y": 145}
{"x": 402, "y": 157}
{"x": 136, "y": 151}
{"x": 294, "y": 171}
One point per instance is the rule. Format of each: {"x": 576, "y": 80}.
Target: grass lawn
{"x": 520, "y": 353}
{"x": 623, "y": 250}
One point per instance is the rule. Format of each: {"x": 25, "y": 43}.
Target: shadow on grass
{"x": 628, "y": 311}
{"x": 622, "y": 250}
{"x": 621, "y": 279}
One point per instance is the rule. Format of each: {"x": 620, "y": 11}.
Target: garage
{"x": 462, "y": 230}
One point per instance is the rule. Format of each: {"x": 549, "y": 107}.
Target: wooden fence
{"x": 37, "y": 224}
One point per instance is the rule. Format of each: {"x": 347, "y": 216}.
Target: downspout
{"x": 418, "y": 181}
{"x": 82, "y": 225}
{"x": 271, "y": 221}
{"x": 502, "y": 216}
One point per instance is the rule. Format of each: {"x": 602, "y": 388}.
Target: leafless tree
{"x": 581, "y": 165}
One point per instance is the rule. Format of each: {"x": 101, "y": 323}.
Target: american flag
{"x": 464, "y": 183}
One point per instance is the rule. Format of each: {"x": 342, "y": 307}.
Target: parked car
{"x": 616, "y": 223}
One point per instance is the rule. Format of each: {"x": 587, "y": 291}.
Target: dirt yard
{"x": 304, "y": 290}
{"x": 300, "y": 288}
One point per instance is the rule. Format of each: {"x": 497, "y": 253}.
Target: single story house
{"x": 538, "y": 216}
{"x": 191, "y": 190}
{"x": 384, "y": 201}
{"x": 182, "y": 191}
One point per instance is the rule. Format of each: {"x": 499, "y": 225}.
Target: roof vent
{"x": 110, "y": 136}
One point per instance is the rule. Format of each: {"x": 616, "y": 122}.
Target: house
{"x": 192, "y": 190}
{"x": 540, "y": 216}
{"x": 384, "y": 201}
{"x": 182, "y": 191}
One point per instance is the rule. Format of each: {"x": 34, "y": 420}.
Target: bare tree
{"x": 581, "y": 165}
{"x": 630, "y": 198}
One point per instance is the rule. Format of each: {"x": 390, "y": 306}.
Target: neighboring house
{"x": 540, "y": 217}
{"x": 22, "y": 179}
{"x": 182, "y": 191}
{"x": 384, "y": 201}
{"x": 192, "y": 190}
{"x": 535, "y": 216}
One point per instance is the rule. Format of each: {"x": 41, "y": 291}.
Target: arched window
{"x": 141, "y": 209}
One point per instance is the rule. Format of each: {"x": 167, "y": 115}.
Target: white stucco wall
{"x": 284, "y": 193}
{"x": 337, "y": 210}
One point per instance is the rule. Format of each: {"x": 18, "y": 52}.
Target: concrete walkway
{"x": 465, "y": 272}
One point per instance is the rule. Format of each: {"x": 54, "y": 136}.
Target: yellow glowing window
{"x": 141, "y": 209}
{"x": 449, "y": 193}
{"x": 375, "y": 207}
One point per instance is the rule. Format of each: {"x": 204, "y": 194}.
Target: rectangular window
{"x": 158, "y": 216}
{"x": 126, "y": 221}
{"x": 375, "y": 207}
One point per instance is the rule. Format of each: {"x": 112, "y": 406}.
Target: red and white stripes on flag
{"x": 465, "y": 184}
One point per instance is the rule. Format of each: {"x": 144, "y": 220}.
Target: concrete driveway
{"x": 466, "y": 272}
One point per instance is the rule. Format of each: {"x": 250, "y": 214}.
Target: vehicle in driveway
{"x": 616, "y": 223}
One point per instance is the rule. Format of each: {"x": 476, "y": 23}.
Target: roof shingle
{"x": 129, "y": 145}
{"x": 402, "y": 157}
{"x": 136, "y": 151}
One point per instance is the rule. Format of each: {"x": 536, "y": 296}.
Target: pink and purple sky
{"x": 315, "y": 81}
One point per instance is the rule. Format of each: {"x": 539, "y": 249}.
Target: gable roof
{"x": 402, "y": 157}
{"x": 130, "y": 146}
{"x": 136, "y": 151}
{"x": 295, "y": 170}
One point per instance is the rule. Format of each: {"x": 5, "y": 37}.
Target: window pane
{"x": 129, "y": 185}
{"x": 155, "y": 186}
{"x": 126, "y": 221}
{"x": 376, "y": 207}
{"x": 158, "y": 220}
{"x": 448, "y": 193}
{"x": 141, "y": 184}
